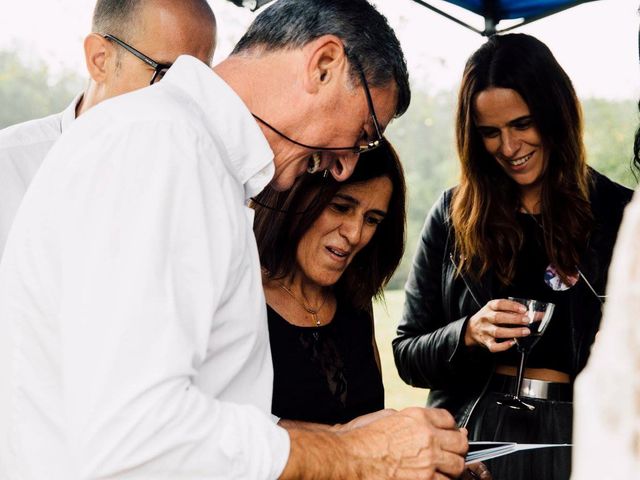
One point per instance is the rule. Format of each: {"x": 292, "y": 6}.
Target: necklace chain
{"x": 309, "y": 310}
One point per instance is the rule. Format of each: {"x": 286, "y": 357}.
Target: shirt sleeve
{"x": 146, "y": 238}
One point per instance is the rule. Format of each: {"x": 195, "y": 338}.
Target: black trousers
{"x": 550, "y": 422}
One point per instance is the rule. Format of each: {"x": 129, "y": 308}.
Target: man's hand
{"x": 413, "y": 443}
{"x": 364, "y": 420}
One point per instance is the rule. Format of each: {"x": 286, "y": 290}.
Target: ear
{"x": 326, "y": 61}
{"x": 99, "y": 54}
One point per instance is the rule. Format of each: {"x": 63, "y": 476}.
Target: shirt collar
{"x": 228, "y": 118}
{"x": 69, "y": 113}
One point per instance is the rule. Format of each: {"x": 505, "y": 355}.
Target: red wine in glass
{"x": 539, "y": 314}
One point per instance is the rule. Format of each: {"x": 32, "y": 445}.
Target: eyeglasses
{"x": 159, "y": 68}
{"x": 371, "y": 145}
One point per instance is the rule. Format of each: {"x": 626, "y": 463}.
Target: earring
{"x": 314, "y": 163}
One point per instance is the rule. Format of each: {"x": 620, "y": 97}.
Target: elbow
{"x": 408, "y": 363}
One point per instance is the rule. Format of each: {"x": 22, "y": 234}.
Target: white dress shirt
{"x": 606, "y": 426}
{"x": 133, "y": 330}
{"x": 22, "y": 150}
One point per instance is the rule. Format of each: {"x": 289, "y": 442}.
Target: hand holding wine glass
{"x": 539, "y": 315}
{"x": 496, "y": 325}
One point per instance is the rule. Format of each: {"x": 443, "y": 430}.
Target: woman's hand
{"x": 496, "y": 325}
{"x": 476, "y": 471}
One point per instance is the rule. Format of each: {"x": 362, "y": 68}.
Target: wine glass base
{"x": 514, "y": 402}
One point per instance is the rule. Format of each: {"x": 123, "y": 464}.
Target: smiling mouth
{"x": 520, "y": 161}
{"x": 338, "y": 252}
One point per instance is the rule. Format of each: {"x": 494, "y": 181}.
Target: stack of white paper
{"x": 481, "y": 451}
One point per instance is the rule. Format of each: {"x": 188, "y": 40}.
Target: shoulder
{"x": 149, "y": 106}
{"x": 32, "y": 132}
{"x": 145, "y": 126}
{"x": 24, "y": 146}
{"x": 440, "y": 213}
{"x": 607, "y": 196}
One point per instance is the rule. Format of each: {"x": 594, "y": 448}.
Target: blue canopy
{"x": 492, "y": 10}
{"x": 495, "y": 10}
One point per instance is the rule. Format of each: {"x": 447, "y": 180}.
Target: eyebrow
{"x": 510, "y": 123}
{"x": 354, "y": 201}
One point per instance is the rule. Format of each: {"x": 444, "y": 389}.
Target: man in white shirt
{"x": 162, "y": 29}
{"x": 133, "y": 333}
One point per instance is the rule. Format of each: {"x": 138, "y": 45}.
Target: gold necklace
{"x": 309, "y": 310}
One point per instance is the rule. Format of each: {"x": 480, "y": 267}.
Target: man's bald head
{"x": 161, "y": 30}
{"x": 121, "y": 18}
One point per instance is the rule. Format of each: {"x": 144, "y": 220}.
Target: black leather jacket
{"x": 429, "y": 349}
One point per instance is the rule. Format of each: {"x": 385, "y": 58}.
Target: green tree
{"x": 609, "y": 132}
{"x": 424, "y": 140}
{"x": 29, "y": 91}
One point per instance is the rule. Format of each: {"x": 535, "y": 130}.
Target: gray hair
{"x": 367, "y": 37}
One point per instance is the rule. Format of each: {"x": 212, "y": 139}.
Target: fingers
{"x": 508, "y": 318}
{"x": 442, "y": 446}
{"x": 431, "y": 460}
{"x": 497, "y": 321}
{"x": 450, "y": 464}
{"x": 453, "y": 441}
{"x": 496, "y": 347}
{"x": 476, "y": 471}
{"x": 449, "y": 445}
{"x": 509, "y": 332}
{"x": 505, "y": 305}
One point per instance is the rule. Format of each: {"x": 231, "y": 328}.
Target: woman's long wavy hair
{"x": 282, "y": 219}
{"x": 485, "y": 204}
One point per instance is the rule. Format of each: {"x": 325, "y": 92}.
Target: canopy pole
{"x": 489, "y": 27}
{"x": 446, "y": 15}
{"x": 491, "y": 17}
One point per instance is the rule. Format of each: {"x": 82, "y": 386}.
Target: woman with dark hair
{"x": 529, "y": 219}
{"x": 327, "y": 248}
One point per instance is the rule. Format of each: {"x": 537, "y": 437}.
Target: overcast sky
{"x": 597, "y": 42}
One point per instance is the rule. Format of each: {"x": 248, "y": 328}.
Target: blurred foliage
{"x": 29, "y": 91}
{"x": 424, "y": 136}
{"x": 609, "y": 132}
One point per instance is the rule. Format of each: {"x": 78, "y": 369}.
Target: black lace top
{"x": 325, "y": 374}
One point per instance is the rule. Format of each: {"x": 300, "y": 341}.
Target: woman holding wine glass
{"x": 529, "y": 220}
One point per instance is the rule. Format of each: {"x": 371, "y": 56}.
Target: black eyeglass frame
{"x": 354, "y": 149}
{"x": 157, "y": 67}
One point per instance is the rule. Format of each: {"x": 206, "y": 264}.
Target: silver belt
{"x": 535, "y": 388}
{"x": 532, "y": 388}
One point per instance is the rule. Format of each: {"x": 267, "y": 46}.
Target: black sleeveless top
{"x": 326, "y": 374}
{"x": 554, "y": 349}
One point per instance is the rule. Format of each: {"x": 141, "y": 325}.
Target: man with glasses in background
{"x": 162, "y": 29}
{"x": 133, "y": 329}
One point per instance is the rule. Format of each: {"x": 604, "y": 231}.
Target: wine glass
{"x": 539, "y": 314}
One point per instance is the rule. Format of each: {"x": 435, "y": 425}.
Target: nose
{"x": 351, "y": 229}
{"x": 510, "y": 144}
{"x": 344, "y": 165}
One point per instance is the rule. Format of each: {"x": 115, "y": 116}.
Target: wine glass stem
{"x": 523, "y": 357}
